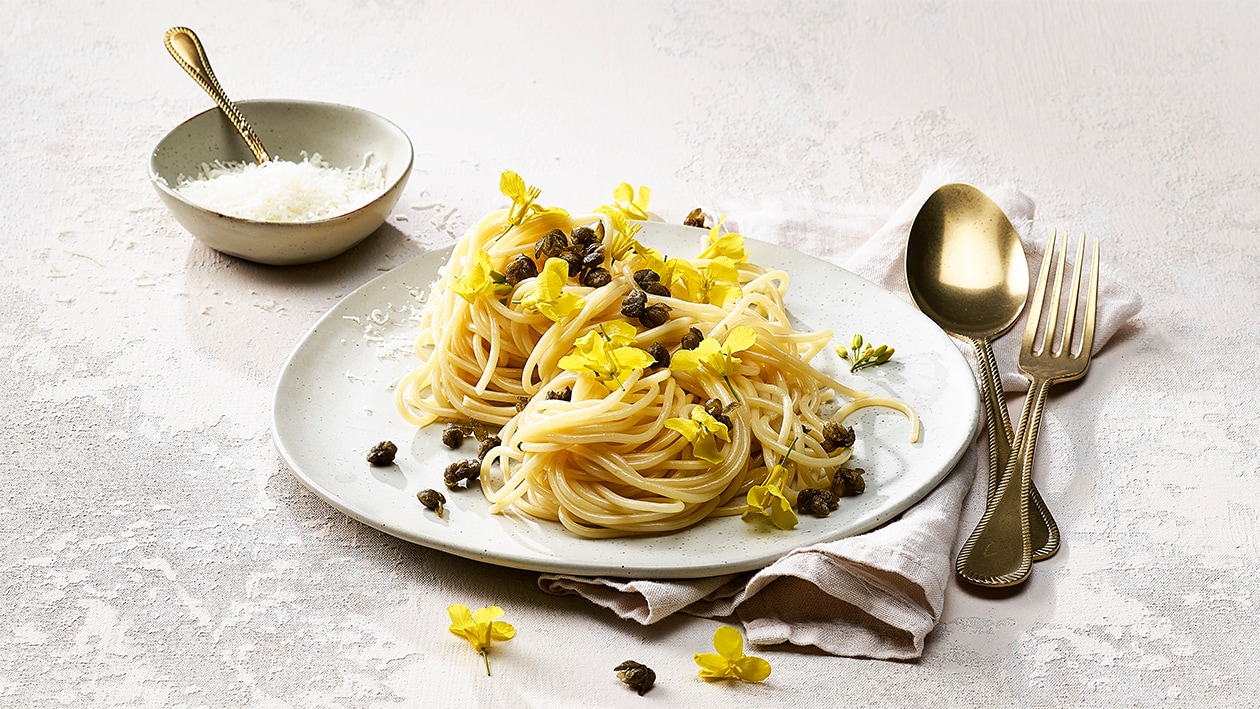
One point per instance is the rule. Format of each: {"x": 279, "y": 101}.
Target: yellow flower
{"x": 631, "y": 205}
{"x": 667, "y": 268}
{"x": 513, "y": 187}
{"x": 703, "y": 431}
{"x": 714, "y": 359}
{"x": 730, "y": 245}
{"x": 768, "y": 498}
{"x": 730, "y": 662}
{"x": 548, "y": 296}
{"x": 480, "y": 628}
{"x": 715, "y": 283}
{"x": 607, "y": 354}
{"x": 524, "y": 200}
{"x": 480, "y": 278}
{"x": 621, "y": 241}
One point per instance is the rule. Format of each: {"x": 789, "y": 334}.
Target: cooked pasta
{"x": 634, "y": 393}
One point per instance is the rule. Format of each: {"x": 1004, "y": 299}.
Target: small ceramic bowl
{"x": 343, "y": 136}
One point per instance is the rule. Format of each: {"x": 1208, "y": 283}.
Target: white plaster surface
{"x": 155, "y": 551}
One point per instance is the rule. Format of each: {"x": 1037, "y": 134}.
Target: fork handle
{"x": 999, "y": 551}
{"x": 1042, "y": 527}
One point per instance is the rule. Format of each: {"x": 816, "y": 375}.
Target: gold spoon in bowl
{"x": 966, "y": 270}
{"x": 184, "y": 46}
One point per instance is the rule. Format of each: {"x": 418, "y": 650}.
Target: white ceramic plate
{"x": 335, "y": 400}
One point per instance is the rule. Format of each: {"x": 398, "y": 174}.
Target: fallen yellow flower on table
{"x": 480, "y": 628}
{"x": 730, "y": 662}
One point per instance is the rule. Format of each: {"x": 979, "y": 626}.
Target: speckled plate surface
{"x": 334, "y": 401}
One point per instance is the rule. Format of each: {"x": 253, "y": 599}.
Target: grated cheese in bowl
{"x": 282, "y": 191}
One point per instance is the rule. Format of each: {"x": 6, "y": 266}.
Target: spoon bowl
{"x": 965, "y": 263}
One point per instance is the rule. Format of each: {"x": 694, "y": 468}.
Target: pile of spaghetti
{"x": 634, "y": 392}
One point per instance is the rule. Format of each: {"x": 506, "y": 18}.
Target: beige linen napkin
{"x": 877, "y": 594}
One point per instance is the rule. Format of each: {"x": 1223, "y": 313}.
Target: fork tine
{"x": 1091, "y": 307}
{"x": 1052, "y": 322}
{"x": 1069, "y": 325}
{"x": 1039, "y": 296}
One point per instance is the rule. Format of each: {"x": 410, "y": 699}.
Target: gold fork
{"x": 999, "y": 552}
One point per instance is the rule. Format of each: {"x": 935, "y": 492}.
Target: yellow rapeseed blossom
{"x": 608, "y": 354}
{"x": 715, "y": 283}
{"x": 480, "y": 629}
{"x": 628, "y": 203}
{"x": 768, "y": 498}
{"x": 548, "y": 296}
{"x": 716, "y": 359}
{"x": 703, "y": 431}
{"x": 730, "y": 662}
{"x": 524, "y": 200}
{"x": 730, "y": 245}
{"x": 479, "y": 279}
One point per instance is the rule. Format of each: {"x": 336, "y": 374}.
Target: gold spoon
{"x": 184, "y": 46}
{"x": 966, "y": 270}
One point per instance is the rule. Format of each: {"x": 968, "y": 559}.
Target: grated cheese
{"x": 282, "y": 191}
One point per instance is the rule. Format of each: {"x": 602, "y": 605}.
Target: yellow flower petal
{"x": 720, "y": 295}
{"x": 728, "y": 642}
{"x": 739, "y": 339}
{"x": 623, "y": 192}
{"x": 461, "y": 615}
{"x": 781, "y": 513}
{"x": 485, "y": 615}
{"x": 689, "y": 277}
{"x": 687, "y": 360}
{"x": 632, "y": 358}
{"x": 502, "y": 631}
{"x": 722, "y": 269}
{"x": 619, "y": 332}
{"x": 688, "y": 428}
{"x": 752, "y": 669}
{"x": 512, "y": 185}
{"x": 713, "y": 666}
{"x": 730, "y": 245}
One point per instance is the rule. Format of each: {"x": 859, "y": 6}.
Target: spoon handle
{"x": 1042, "y": 527}
{"x": 184, "y": 46}
{"x": 999, "y": 550}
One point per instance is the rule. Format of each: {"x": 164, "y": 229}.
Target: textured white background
{"x": 154, "y": 551}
